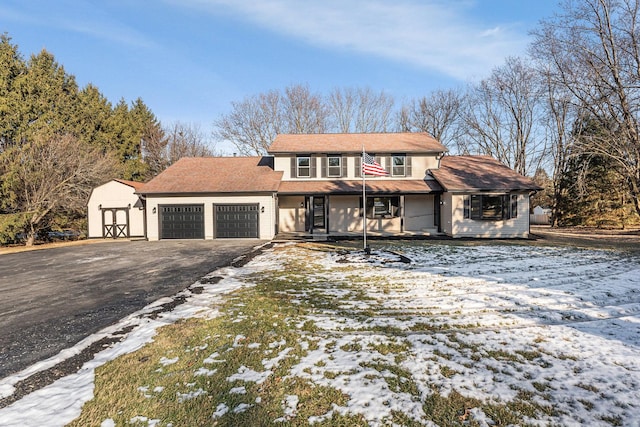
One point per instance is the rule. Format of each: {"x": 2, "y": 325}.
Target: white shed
{"x": 115, "y": 211}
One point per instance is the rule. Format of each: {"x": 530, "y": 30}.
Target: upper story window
{"x": 303, "y": 166}
{"x": 398, "y": 165}
{"x": 334, "y": 166}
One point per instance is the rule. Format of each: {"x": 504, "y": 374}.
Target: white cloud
{"x": 77, "y": 17}
{"x": 436, "y": 35}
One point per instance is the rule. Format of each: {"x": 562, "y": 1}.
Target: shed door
{"x": 115, "y": 222}
{"x": 181, "y": 221}
{"x": 237, "y": 221}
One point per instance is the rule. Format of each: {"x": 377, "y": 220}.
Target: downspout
{"x": 144, "y": 216}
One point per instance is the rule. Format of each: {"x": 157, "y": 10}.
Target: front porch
{"x": 341, "y": 215}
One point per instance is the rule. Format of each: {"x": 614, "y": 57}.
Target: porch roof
{"x": 374, "y": 186}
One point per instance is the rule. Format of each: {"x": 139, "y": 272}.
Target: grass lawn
{"x": 475, "y": 335}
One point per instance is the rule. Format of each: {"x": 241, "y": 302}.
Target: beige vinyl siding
{"x": 114, "y": 194}
{"x": 283, "y": 163}
{"x": 419, "y": 164}
{"x": 418, "y": 213}
{"x": 291, "y": 215}
{"x": 344, "y": 214}
{"x": 466, "y": 227}
{"x": 446, "y": 213}
{"x": 267, "y": 218}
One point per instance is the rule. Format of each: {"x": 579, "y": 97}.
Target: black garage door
{"x": 233, "y": 221}
{"x": 181, "y": 221}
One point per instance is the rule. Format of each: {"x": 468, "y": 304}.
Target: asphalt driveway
{"x": 51, "y": 299}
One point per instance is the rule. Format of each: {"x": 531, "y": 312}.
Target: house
{"x": 540, "y": 216}
{"x": 312, "y": 184}
{"x": 115, "y": 210}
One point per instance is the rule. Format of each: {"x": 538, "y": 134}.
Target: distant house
{"x": 312, "y": 184}
{"x": 115, "y": 210}
{"x": 541, "y": 216}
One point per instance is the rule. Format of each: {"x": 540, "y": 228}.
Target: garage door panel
{"x": 237, "y": 221}
{"x": 181, "y": 221}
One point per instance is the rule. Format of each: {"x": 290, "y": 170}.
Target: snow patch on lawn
{"x": 560, "y": 326}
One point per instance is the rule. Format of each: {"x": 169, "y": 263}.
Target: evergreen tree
{"x": 11, "y": 67}
{"x": 57, "y": 142}
{"x": 46, "y": 96}
{"x": 93, "y": 113}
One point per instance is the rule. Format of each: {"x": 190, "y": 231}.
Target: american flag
{"x": 371, "y": 167}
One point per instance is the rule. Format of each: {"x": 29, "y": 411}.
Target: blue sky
{"x": 189, "y": 59}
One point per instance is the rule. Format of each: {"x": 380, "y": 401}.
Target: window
{"x": 491, "y": 207}
{"x": 399, "y": 165}
{"x": 467, "y": 207}
{"x": 304, "y": 166}
{"x": 334, "y": 166}
{"x": 514, "y": 206}
{"x": 383, "y": 207}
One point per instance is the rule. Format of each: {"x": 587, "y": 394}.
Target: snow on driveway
{"x": 555, "y": 327}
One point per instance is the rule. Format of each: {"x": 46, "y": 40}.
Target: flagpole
{"x": 364, "y": 202}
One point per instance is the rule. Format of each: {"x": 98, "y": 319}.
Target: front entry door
{"x": 316, "y": 214}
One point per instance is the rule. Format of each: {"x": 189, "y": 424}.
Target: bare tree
{"x": 166, "y": 146}
{"x": 154, "y": 146}
{"x": 303, "y": 111}
{"x": 501, "y": 116}
{"x": 438, "y": 114}
{"x": 186, "y": 140}
{"x": 360, "y": 110}
{"x": 252, "y": 124}
{"x": 593, "y": 50}
{"x": 52, "y": 174}
{"x": 564, "y": 122}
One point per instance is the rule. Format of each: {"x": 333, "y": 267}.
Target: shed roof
{"x": 479, "y": 173}
{"x": 135, "y": 184}
{"x": 377, "y": 143}
{"x": 216, "y": 175}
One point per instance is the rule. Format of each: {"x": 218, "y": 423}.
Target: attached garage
{"x": 181, "y": 221}
{"x": 237, "y": 221}
{"x": 213, "y": 198}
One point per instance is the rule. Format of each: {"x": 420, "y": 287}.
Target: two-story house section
{"x": 312, "y": 185}
{"x": 321, "y": 188}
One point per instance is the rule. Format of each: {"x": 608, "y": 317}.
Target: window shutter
{"x": 407, "y": 170}
{"x": 467, "y": 207}
{"x": 312, "y": 172}
{"x": 476, "y": 207}
{"x": 387, "y": 164}
{"x": 294, "y": 173}
{"x": 514, "y": 206}
{"x": 345, "y": 172}
{"x": 358, "y": 171}
{"x": 323, "y": 166}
